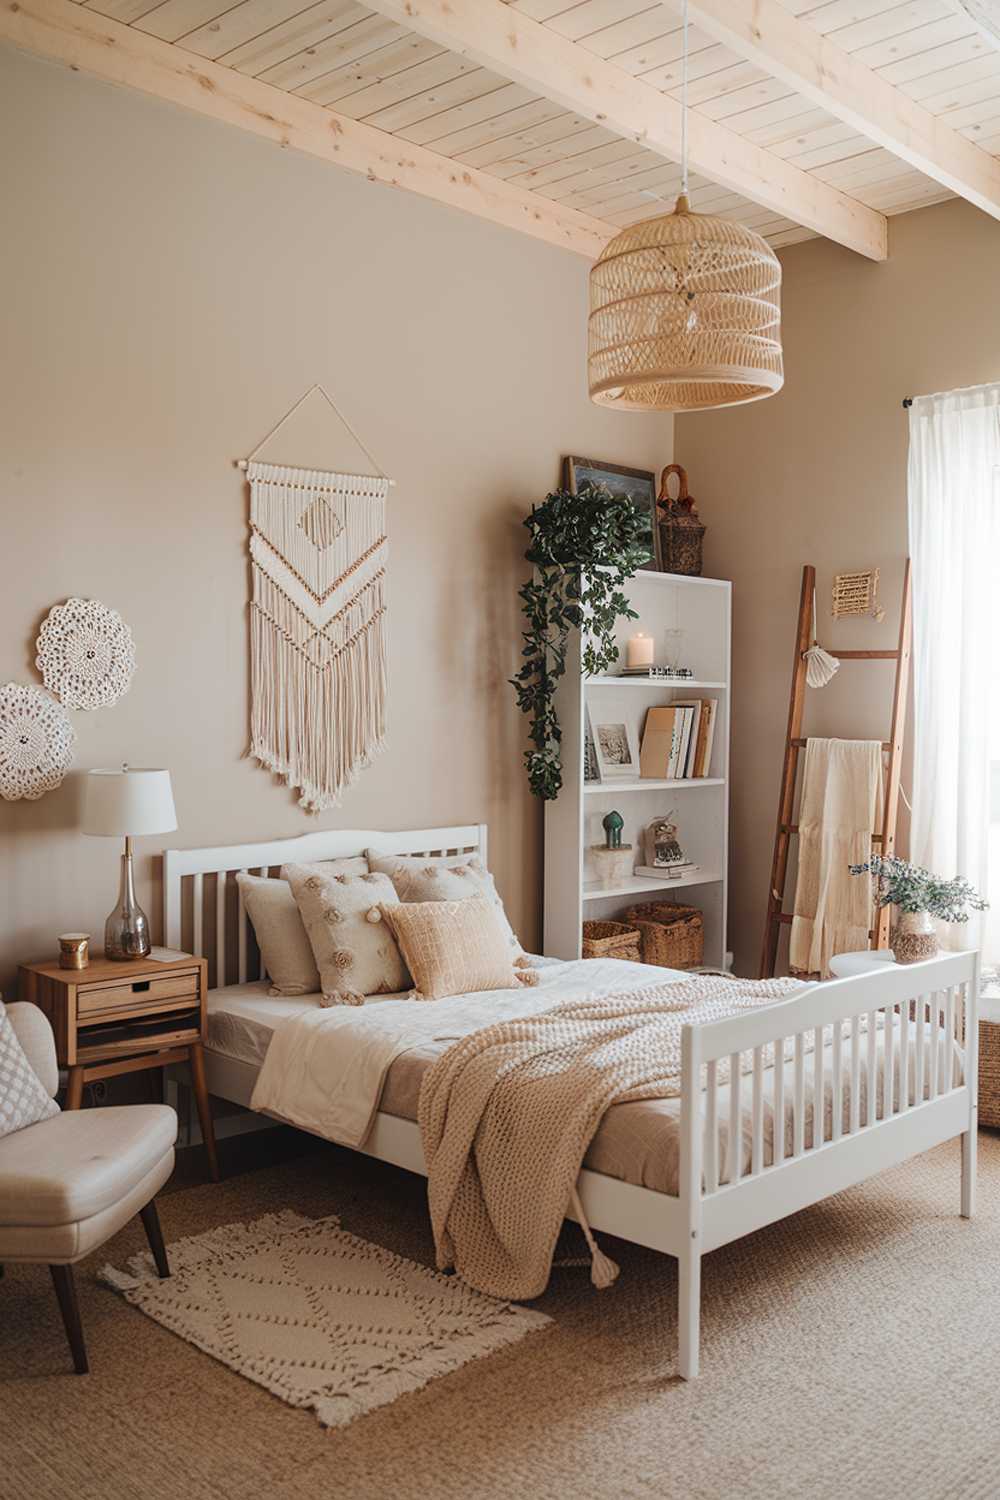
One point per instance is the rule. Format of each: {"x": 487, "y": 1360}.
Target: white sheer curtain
{"x": 954, "y": 509}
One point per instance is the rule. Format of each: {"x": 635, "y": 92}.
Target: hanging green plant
{"x": 584, "y": 548}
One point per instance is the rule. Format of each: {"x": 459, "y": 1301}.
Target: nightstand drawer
{"x": 131, "y": 996}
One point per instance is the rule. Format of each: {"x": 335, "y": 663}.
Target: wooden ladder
{"x": 776, "y": 916}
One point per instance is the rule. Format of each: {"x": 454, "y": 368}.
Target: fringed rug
{"x": 317, "y": 1316}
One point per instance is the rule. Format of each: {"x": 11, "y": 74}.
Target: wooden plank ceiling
{"x": 357, "y": 62}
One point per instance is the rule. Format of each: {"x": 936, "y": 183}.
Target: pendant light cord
{"x": 684, "y": 104}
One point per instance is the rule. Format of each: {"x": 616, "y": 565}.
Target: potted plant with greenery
{"x": 584, "y": 548}
{"x": 919, "y": 896}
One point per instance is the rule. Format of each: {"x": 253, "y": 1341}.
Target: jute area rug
{"x": 317, "y": 1316}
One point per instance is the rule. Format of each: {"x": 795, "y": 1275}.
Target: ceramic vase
{"x": 913, "y": 938}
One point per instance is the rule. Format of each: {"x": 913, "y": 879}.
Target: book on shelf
{"x": 668, "y": 872}
{"x": 677, "y": 739}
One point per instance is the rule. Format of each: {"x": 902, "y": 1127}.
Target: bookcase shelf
{"x": 701, "y": 609}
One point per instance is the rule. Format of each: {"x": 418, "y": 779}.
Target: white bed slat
{"x": 918, "y": 1048}
{"x": 778, "y": 1104}
{"x": 735, "y": 1116}
{"x": 220, "y": 929}
{"x": 855, "y": 1115}
{"x": 871, "y": 1101}
{"x": 799, "y": 1113}
{"x": 242, "y": 920}
{"x": 948, "y": 1072}
{"x": 837, "y": 1090}
{"x": 711, "y": 1127}
{"x": 819, "y": 1073}
{"x": 198, "y": 898}
{"x": 757, "y": 1131}
{"x": 935, "y": 1042}
{"x": 887, "y": 1061}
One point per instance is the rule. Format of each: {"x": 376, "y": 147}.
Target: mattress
{"x": 638, "y": 1143}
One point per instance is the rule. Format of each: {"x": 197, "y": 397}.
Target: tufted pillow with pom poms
{"x": 355, "y": 948}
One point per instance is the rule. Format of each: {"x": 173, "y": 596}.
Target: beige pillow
{"x": 285, "y": 949}
{"x": 23, "y": 1099}
{"x": 454, "y": 947}
{"x": 448, "y": 877}
{"x": 353, "y": 945}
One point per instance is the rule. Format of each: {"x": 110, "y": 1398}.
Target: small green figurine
{"x": 613, "y": 825}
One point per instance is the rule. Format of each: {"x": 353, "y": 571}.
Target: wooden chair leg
{"x": 62, "y": 1279}
{"x": 154, "y": 1234}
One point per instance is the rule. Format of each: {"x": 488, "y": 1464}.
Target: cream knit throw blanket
{"x": 507, "y": 1115}
{"x": 841, "y": 805}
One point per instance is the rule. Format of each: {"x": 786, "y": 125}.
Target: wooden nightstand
{"x": 112, "y": 1018}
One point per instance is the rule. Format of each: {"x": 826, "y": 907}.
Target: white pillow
{"x": 449, "y": 877}
{"x": 23, "y": 1100}
{"x": 354, "y": 947}
{"x": 285, "y": 950}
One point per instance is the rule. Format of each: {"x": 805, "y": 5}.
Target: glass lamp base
{"x": 126, "y": 932}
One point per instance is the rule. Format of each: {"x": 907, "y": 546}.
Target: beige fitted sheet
{"x": 637, "y": 1143}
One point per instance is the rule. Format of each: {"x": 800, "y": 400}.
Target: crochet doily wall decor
{"x": 36, "y": 742}
{"x": 85, "y": 654}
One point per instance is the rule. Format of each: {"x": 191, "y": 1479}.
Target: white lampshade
{"x": 131, "y": 801}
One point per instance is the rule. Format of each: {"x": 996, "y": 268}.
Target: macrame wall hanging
{"x": 318, "y": 551}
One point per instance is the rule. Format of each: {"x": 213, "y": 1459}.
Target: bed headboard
{"x": 207, "y": 917}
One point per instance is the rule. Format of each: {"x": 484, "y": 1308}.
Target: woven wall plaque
{"x": 85, "y": 654}
{"x": 36, "y": 742}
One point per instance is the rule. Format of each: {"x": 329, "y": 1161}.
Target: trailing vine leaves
{"x": 584, "y": 548}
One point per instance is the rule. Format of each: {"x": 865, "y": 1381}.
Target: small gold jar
{"x": 74, "y": 950}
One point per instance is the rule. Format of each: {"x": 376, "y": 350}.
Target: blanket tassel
{"x": 603, "y": 1270}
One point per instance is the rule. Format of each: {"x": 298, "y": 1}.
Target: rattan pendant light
{"x": 684, "y": 310}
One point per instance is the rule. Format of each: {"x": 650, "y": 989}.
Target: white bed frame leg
{"x": 689, "y": 1260}
{"x": 689, "y": 1312}
{"x": 970, "y": 1140}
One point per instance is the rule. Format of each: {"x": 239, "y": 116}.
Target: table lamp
{"x": 126, "y": 803}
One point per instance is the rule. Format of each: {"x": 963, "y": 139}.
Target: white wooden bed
{"x": 203, "y": 914}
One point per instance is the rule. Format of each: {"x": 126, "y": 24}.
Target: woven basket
{"x": 673, "y": 936}
{"x": 612, "y": 940}
{"x": 989, "y": 1073}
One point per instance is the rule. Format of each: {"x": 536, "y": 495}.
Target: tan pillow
{"x": 285, "y": 949}
{"x": 448, "y": 877}
{"x": 353, "y": 945}
{"x": 454, "y": 947}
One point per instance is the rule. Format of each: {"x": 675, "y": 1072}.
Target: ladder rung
{"x": 867, "y": 655}
{"x": 794, "y": 828}
{"x": 801, "y": 744}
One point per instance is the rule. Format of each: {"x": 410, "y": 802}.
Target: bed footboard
{"x": 892, "y": 1056}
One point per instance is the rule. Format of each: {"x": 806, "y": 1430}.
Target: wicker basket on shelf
{"x": 673, "y": 936}
{"x": 989, "y": 1067}
{"x": 612, "y": 940}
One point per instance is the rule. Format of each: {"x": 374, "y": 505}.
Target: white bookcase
{"x": 701, "y": 609}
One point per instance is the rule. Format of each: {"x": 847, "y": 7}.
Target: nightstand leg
{"x": 74, "y": 1089}
{"x": 204, "y": 1108}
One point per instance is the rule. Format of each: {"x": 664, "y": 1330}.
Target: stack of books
{"x": 677, "y": 739}
{"x": 657, "y": 673}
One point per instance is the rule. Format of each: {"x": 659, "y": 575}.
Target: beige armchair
{"x": 69, "y": 1183}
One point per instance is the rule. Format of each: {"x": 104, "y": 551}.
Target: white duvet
{"x": 325, "y": 1068}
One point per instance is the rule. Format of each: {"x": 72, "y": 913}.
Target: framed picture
{"x": 591, "y": 769}
{"x": 636, "y": 485}
{"x": 617, "y": 754}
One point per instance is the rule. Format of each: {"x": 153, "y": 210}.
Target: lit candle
{"x": 640, "y": 650}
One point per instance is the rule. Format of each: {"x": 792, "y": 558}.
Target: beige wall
{"x": 170, "y": 286}
{"x": 818, "y": 474}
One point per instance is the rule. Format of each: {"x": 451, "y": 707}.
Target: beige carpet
{"x": 852, "y": 1351}
{"x": 316, "y": 1316}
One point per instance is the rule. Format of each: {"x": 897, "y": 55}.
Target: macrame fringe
{"x": 603, "y": 1270}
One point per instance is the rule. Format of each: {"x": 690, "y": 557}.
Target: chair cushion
{"x": 81, "y": 1162}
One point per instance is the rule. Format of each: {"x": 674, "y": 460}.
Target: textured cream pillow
{"x": 455, "y": 947}
{"x": 285, "y": 949}
{"x": 354, "y": 947}
{"x": 23, "y": 1099}
{"x": 449, "y": 877}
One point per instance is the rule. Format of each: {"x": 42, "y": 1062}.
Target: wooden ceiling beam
{"x": 791, "y": 50}
{"x": 87, "y": 42}
{"x": 505, "y": 41}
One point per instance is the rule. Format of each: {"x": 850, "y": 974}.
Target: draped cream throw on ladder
{"x": 841, "y": 805}
{"x": 317, "y": 641}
